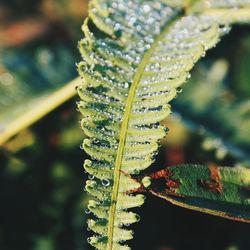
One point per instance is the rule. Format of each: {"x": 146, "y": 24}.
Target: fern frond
{"x": 130, "y": 72}
{"x": 226, "y": 3}
{"x": 224, "y": 11}
{"x": 230, "y": 16}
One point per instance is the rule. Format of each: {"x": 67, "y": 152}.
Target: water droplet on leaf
{"x": 91, "y": 177}
{"x": 87, "y": 211}
{"x": 105, "y": 182}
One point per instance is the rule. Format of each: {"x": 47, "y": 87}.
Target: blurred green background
{"x": 41, "y": 175}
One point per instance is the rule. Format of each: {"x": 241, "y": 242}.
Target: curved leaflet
{"x": 130, "y": 71}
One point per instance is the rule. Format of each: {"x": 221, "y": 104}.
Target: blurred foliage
{"x": 208, "y": 105}
{"x": 42, "y": 196}
{"x": 41, "y": 177}
{"x": 216, "y": 100}
{"x": 37, "y": 58}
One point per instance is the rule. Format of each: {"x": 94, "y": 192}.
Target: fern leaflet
{"x": 130, "y": 71}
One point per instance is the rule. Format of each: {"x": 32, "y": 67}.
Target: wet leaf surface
{"x": 220, "y": 191}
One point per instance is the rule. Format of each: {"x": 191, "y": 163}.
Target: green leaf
{"x": 220, "y": 191}
{"x": 35, "y": 77}
{"x": 19, "y": 115}
{"x": 132, "y": 66}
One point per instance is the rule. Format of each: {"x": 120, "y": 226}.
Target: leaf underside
{"x": 220, "y": 191}
{"x": 130, "y": 71}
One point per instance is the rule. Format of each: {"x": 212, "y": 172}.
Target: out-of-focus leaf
{"x": 220, "y": 191}
{"x": 31, "y": 109}
{"x": 44, "y": 243}
{"x": 208, "y": 105}
{"x": 241, "y": 68}
{"x": 37, "y": 60}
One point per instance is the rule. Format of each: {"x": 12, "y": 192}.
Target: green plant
{"x": 133, "y": 65}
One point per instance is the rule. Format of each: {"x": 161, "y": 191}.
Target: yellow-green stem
{"x": 124, "y": 129}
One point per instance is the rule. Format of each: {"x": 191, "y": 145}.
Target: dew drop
{"x": 138, "y": 218}
{"x": 126, "y": 85}
{"x": 91, "y": 177}
{"x": 95, "y": 140}
{"x": 105, "y": 182}
{"x": 179, "y": 90}
{"x": 87, "y": 211}
{"x": 146, "y": 8}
